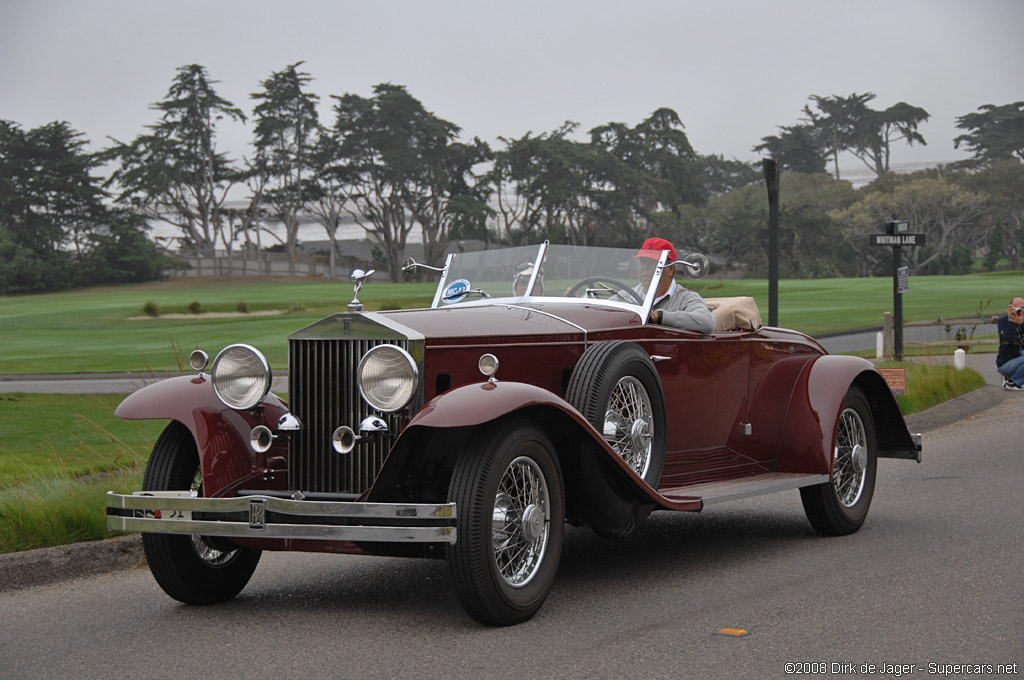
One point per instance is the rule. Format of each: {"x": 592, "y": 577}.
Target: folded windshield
{"x": 544, "y": 271}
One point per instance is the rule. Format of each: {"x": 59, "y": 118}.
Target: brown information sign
{"x": 896, "y": 379}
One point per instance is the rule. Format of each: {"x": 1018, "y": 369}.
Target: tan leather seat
{"x": 734, "y": 313}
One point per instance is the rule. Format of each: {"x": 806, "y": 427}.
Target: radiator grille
{"x": 322, "y": 392}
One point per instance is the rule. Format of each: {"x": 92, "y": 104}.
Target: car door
{"x": 705, "y": 379}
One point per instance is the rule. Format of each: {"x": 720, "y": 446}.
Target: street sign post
{"x": 896, "y": 236}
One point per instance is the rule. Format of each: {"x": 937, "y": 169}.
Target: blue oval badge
{"x": 455, "y": 291}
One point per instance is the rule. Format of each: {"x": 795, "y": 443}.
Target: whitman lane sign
{"x": 897, "y": 239}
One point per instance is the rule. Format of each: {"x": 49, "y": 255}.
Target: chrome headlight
{"x": 241, "y": 376}
{"x": 387, "y": 377}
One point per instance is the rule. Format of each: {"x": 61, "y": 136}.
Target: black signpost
{"x": 897, "y": 236}
{"x": 771, "y": 178}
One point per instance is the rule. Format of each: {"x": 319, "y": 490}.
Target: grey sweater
{"x": 685, "y": 309}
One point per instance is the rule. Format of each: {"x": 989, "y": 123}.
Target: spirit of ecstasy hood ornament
{"x": 358, "y": 277}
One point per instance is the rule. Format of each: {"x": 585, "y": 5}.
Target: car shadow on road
{"x": 402, "y": 592}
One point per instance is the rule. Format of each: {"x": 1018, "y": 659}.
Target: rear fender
{"x": 817, "y": 399}
{"x": 221, "y": 433}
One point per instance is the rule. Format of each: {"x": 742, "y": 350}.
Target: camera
{"x": 1018, "y": 310}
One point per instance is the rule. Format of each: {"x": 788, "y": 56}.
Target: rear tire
{"x": 189, "y": 568}
{"x": 507, "y": 487}
{"x": 840, "y": 506}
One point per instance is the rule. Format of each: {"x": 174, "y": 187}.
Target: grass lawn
{"x": 48, "y": 436}
{"x": 59, "y": 456}
{"x": 95, "y": 330}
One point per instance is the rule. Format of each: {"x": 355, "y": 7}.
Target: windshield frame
{"x": 643, "y": 309}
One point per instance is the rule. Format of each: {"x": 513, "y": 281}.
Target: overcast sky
{"x": 732, "y": 70}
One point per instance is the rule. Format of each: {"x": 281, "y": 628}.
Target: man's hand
{"x": 1014, "y": 316}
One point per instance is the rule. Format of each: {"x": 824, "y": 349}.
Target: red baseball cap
{"x": 652, "y": 248}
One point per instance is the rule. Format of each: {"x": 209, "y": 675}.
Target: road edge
{"x": 958, "y": 408}
{"x": 44, "y": 566}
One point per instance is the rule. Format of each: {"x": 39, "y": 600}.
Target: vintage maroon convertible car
{"x": 474, "y": 430}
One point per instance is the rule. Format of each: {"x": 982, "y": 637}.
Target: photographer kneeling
{"x": 1010, "y": 360}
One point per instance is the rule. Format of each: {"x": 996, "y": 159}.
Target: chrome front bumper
{"x": 181, "y": 512}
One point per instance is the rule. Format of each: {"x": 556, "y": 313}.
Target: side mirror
{"x": 408, "y": 269}
{"x": 410, "y": 266}
{"x": 695, "y": 266}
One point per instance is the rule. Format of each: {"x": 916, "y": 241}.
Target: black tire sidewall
{"x": 172, "y": 558}
{"x": 486, "y": 596}
{"x": 821, "y": 502}
{"x": 856, "y": 514}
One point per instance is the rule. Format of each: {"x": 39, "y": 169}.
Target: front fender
{"x": 221, "y": 433}
{"x": 817, "y": 399}
{"x": 585, "y": 450}
{"x": 480, "y": 403}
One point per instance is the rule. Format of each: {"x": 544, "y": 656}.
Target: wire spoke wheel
{"x": 204, "y": 551}
{"x": 521, "y": 522}
{"x": 629, "y": 423}
{"x": 849, "y": 468}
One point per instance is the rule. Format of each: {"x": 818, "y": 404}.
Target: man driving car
{"x": 674, "y": 305}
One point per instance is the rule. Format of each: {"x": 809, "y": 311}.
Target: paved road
{"x": 105, "y": 383}
{"x": 854, "y": 342}
{"x": 933, "y": 577}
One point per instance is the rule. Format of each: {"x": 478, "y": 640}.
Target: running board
{"x": 710, "y": 493}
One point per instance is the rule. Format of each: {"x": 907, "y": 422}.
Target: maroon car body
{"x": 523, "y": 413}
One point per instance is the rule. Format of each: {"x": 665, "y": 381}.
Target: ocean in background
{"x": 861, "y": 175}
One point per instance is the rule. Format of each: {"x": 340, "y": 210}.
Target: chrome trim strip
{"x": 443, "y": 514}
{"x": 548, "y": 314}
{"x": 391, "y": 324}
{"x": 655, "y": 282}
{"x": 173, "y": 500}
{"x": 537, "y": 265}
{"x": 307, "y": 531}
{"x": 443, "y": 281}
{"x": 736, "y": 492}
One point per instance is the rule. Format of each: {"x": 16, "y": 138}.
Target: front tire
{"x": 191, "y": 569}
{"x": 507, "y": 488}
{"x": 840, "y": 506}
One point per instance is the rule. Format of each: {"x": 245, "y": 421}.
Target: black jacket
{"x": 1011, "y": 340}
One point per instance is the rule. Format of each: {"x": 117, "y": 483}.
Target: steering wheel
{"x": 622, "y": 287}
